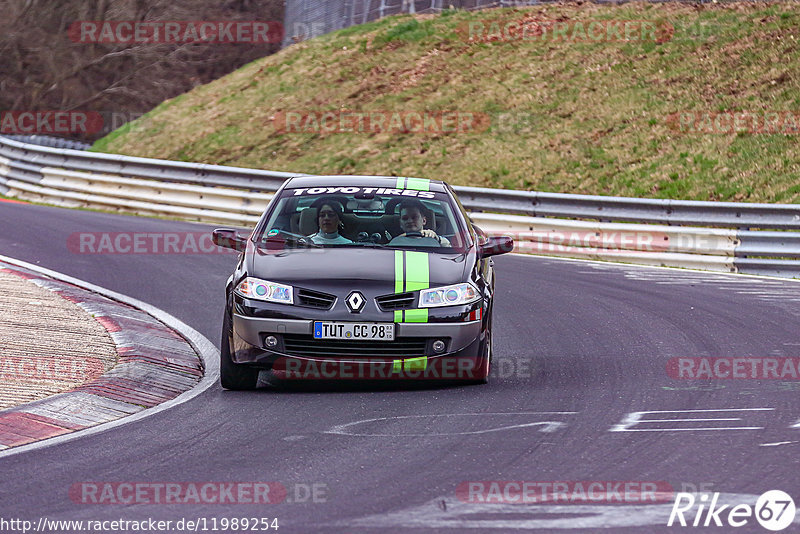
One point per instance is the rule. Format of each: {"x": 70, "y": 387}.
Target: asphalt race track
{"x": 579, "y": 347}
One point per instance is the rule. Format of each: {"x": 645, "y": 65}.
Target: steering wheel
{"x": 414, "y": 234}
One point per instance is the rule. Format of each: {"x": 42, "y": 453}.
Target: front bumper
{"x": 460, "y": 359}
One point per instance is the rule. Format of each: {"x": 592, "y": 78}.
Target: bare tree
{"x": 43, "y": 68}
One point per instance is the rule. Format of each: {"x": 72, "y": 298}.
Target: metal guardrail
{"x": 673, "y": 212}
{"x": 46, "y": 140}
{"x": 25, "y": 160}
{"x": 721, "y": 236}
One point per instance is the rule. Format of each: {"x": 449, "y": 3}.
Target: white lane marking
{"x": 777, "y": 443}
{"x": 450, "y": 513}
{"x": 769, "y": 290}
{"x": 700, "y": 387}
{"x": 635, "y": 418}
{"x": 691, "y": 429}
{"x": 675, "y": 271}
{"x": 204, "y": 348}
{"x": 728, "y": 284}
{"x": 705, "y": 279}
{"x": 547, "y": 426}
{"x": 758, "y": 287}
{"x": 777, "y": 292}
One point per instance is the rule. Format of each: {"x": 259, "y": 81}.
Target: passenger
{"x": 329, "y": 219}
{"x": 413, "y": 221}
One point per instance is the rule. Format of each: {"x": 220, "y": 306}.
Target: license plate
{"x": 354, "y": 331}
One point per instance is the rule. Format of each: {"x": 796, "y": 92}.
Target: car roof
{"x": 394, "y": 182}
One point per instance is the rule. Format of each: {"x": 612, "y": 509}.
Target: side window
{"x": 469, "y": 230}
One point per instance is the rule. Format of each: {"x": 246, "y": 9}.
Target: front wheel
{"x": 233, "y": 375}
{"x": 486, "y": 361}
{"x": 486, "y": 368}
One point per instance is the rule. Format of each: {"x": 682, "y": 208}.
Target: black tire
{"x": 486, "y": 361}
{"x": 232, "y": 375}
{"x": 487, "y": 358}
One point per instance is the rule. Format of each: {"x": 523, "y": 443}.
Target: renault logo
{"x": 355, "y": 301}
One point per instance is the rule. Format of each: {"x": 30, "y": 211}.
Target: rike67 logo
{"x": 774, "y": 510}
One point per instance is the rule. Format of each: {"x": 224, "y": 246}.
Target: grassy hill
{"x": 557, "y": 111}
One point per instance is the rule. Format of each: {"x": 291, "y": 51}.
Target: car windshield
{"x": 350, "y": 216}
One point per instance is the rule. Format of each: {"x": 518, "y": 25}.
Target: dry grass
{"x": 578, "y": 117}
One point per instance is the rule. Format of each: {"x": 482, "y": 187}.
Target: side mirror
{"x": 228, "y": 238}
{"x": 496, "y": 245}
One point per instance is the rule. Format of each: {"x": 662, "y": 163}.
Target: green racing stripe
{"x": 411, "y": 364}
{"x": 417, "y": 274}
{"x": 411, "y": 273}
{"x": 418, "y": 184}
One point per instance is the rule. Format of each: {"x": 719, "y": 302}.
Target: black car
{"x": 360, "y": 277}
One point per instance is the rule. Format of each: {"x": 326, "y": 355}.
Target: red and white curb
{"x": 162, "y": 363}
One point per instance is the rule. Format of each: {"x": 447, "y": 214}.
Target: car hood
{"x": 376, "y": 267}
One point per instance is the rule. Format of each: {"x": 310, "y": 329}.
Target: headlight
{"x": 256, "y": 289}
{"x": 448, "y": 296}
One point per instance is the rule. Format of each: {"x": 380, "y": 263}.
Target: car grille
{"x": 315, "y": 299}
{"x": 304, "y": 345}
{"x": 395, "y": 301}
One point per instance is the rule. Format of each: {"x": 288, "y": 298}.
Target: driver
{"x": 413, "y": 221}
{"x": 329, "y": 219}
